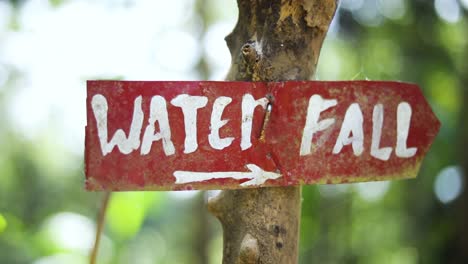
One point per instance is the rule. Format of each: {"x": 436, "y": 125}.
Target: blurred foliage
{"x": 128, "y": 210}
{"x": 51, "y": 218}
{"x": 3, "y": 223}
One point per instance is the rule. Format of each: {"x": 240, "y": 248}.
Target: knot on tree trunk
{"x": 252, "y": 65}
{"x": 249, "y": 252}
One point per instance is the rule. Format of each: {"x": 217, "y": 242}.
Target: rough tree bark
{"x": 274, "y": 40}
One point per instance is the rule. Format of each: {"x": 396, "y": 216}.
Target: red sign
{"x": 145, "y": 135}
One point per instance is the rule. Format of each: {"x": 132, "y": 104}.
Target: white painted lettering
{"x": 377, "y": 123}
{"x": 316, "y": 105}
{"x": 352, "y": 124}
{"x": 189, "y": 105}
{"x": 216, "y": 123}
{"x": 158, "y": 113}
{"x": 125, "y": 145}
{"x": 403, "y": 124}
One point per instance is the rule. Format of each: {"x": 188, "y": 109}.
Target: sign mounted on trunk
{"x": 144, "y": 135}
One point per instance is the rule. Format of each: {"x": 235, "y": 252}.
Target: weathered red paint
{"x": 276, "y": 149}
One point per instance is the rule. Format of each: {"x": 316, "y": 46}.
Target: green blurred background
{"x": 48, "y": 49}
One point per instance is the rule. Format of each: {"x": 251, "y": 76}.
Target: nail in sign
{"x": 144, "y": 135}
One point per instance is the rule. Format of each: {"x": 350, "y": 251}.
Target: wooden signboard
{"x": 145, "y": 135}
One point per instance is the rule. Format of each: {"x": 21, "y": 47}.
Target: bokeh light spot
{"x": 464, "y": 3}
{"x": 351, "y": 5}
{"x": 71, "y": 231}
{"x": 448, "y": 184}
{"x": 368, "y": 14}
{"x": 392, "y": 9}
{"x": 372, "y": 191}
{"x": 448, "y": 10}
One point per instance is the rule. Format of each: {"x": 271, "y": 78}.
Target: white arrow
{"x": 256, "y": 175}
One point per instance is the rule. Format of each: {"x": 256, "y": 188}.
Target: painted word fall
{"x": 157, "y": 135}
{"x": 351, "y": 131}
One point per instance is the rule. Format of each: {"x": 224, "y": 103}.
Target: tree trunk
{"x": 273, "y": 40}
